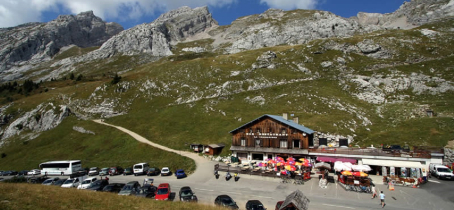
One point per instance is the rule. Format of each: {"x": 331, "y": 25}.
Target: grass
{"x": 74, "y": 51}
{"x": 222, "y": 102}
{"x": 108, "y": 147}
{"x": 28, "y": 196}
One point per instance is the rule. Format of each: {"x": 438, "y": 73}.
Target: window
{"x": 257, "y": 142}
{"x": 323, "y": 141}
{"x": 243, "y": 142}
{"x": 258, "y": 130}
{"x": 270, "y": 130}
{"x": 250, "y": 130}
{"x": 283, "y": 144}
{"x": 284, "y": 131}
{"x": 296, "y": 144}
{"x": 294, "y": 131}
{"x": 241, "y": 130}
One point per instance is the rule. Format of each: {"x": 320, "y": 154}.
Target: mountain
{"x": 33, "y": 43}
{"x": 374, "y": 79}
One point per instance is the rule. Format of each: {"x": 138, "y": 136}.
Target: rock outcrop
{"x": 409, "y": 15}
{"x": 43, "y": 117}
{"x": 156, "y": 38}
{"x": 36, "y": 42}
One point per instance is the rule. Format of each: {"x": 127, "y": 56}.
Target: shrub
{"x": 116, "y": 79}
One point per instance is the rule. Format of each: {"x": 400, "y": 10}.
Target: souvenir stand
{"x": 353, "y": 177}
{"x": 403, "y": 177}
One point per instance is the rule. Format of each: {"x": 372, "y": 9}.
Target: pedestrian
{"x": 382, "y": 198}
{"x": 374, "y": 192}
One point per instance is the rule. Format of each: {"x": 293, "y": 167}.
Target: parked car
{"x": 23, "y": 172}
{"x": 34, "y": 172}
{"x": 83, "y": 171}
{"x": 147, "y": 191}
{"x": 93, "y": 171}
{"x": 392, "y": 148}
{"x": 179, "y": 173}
{"x": 278, "y": 205}
{"x": 127, "y": 171}
{"x": 50, "y": 181}
{"x": 36, "y": 180}
{"x": 442, "y": 172}
{"x": 98, "y": 185}
{"x": 84, "y": 184}
{"x": 163, "y": 192}
{"x": 140, "y": 168}
{"x": 153, "y": 171}
{"x": 186, "y": 194}
{"x": 104, "y": 172}
{"x": 254, "y": 205}
{"x": 165, "y": 171}
{"x": 9, "y": 173}
{"x": 59, "y": 182}
{"x": 115, "y": 171}
{"x": 225, "y": 201}
{"x": 71, "y": 182}
{"x": 114, "y": 187}
{"x": 131, "y": 188}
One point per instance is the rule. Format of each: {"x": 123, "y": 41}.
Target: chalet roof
{"x": 282, "y": 120}
{"x": 270, "y": 150}
{"x": 298, "y": 199}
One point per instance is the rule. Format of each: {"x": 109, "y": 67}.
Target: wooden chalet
{"x": 269, "y": 136}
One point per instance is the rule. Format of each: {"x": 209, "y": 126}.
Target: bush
{"x": 3, "y": 155}
{"x": 116, "y": 79}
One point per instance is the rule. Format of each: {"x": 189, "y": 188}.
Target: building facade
{"x": 269, "y": 136}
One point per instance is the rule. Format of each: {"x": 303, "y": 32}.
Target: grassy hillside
{"x": 199, "y": 97}
{"x": 27, "y": 196}
{"x": 108, "y": 147}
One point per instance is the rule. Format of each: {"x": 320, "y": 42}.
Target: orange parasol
{"x": 346, "y": 173}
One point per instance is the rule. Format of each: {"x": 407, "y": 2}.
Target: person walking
{"x": 382, "y": 198}
{"x": 374, "y": 192}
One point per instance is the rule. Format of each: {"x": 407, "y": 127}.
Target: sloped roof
{"x": 298, "y": 199}
{"x": 216, "y": 145}
{"x": 282, "y": 120}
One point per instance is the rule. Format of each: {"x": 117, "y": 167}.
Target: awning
{"x": 347, "y": 160}
{"x": 326, "y": 159}
{"x": 395, "y": 163}
{"x": 333, "y": 159}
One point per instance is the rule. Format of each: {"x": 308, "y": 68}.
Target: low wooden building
{"x": 214, "y": 149}
{"x": 295, "y": 201}
{"x": 269, "y": 136}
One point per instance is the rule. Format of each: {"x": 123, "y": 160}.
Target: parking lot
{"x": 436, "y": 194}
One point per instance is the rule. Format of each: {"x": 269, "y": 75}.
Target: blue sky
{"x": 133, "y": 12}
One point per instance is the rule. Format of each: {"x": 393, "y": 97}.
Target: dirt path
{"x": 198, "y": 159}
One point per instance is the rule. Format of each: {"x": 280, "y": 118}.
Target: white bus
{"x": 63, "y": 167}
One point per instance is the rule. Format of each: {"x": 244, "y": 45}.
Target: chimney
{"x": 295, "y": 120}
{"x": 284, "y": 115}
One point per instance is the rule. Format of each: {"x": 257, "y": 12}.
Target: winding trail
{"x": 203, "y": 166}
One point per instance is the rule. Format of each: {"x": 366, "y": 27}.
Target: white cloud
{"x": 15, "y": 12}
{"x": 290, "y": 4}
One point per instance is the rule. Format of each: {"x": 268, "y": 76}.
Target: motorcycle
{"x": 228, "y": 176}
{"x": 216, "y": 174}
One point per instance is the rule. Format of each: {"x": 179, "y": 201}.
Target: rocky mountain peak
{"x": 409, "y": 15}
{"x": 156, "y": 38}
{"x": 34, "y": 43}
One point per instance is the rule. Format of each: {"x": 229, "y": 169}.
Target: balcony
{"x": 372, "y": 152}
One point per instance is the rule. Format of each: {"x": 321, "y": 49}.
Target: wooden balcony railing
{"x": 371, "y": 152}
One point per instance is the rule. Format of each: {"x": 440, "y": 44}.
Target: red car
{"x": 163, "y": 192}
{"x": 278, "y": 205}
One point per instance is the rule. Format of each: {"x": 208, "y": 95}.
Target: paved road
{"x": 433, "y": 195}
